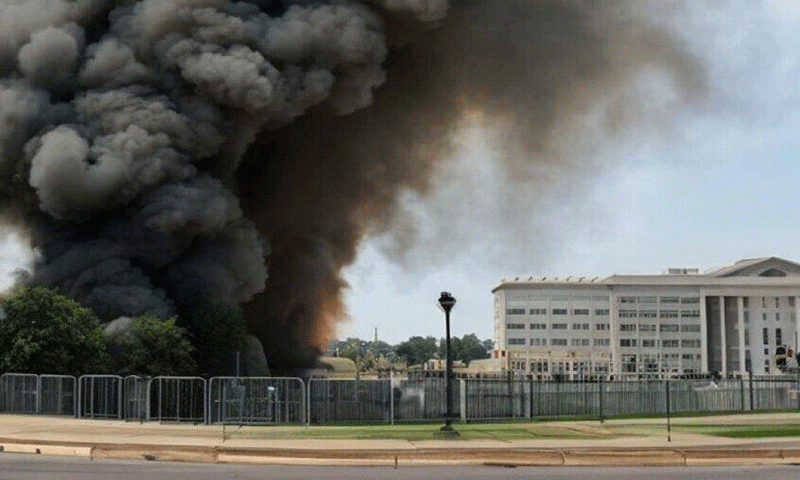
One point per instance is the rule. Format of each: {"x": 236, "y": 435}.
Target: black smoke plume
{"x": 160, "y": 152}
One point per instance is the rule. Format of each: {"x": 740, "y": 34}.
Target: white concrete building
{"x": 730, "y": 320}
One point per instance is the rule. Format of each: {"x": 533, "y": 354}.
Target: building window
{"x": 559, "y": 342}
{"x": 648, "y": 299}
{"x": 538, "y": 311}
{"x": 690, "y": 313}
{"x": 627, "y": 342}
{"x": 515, "y": 326}
{"x": 515, "y": 311}
{"x": 601, "y": 342}
{"x": 746, "y": 337}
{"x": 690, "y": 328}
{"x": 777, "y": 316}
{"x": 627, "y": 314}
{"x": 584, "y": 342}
{"x": 765, "y": 334}
{"x": 669, "y": 299}
{"x": 601, "y": 312}
{"x": 648, "y": 314}
{"x": 669, "y": 327}
{"x": 690, "y": 300}
{"x": 745, "y": 302}
{"x": 669, "y": 343}
{"x": 576, "y": 342}
{"x": 580, "y": 311}
{"x": 516, "y": 341}
{"x": 777, "y": 302}
{"x": 576, "y": 326}
{"x": 558, "y": 326}
{"x": 687, "y": 356}
{"x": 647, "y": 328}
{"x": 669, "y": 314}
{"x": 649, "y": 343}
{"x": 778, "y": 336}
{"x": 601, "y": 326}
{"x": 746, "y": 317}
{"x": 627, "y": 299}
{"x": 538, "y": 326}
{"x": 791, "y": 301}
{"x": 627, "y": 327}
{"x": 559, "y": 311}
{"x": 690, "y": 343}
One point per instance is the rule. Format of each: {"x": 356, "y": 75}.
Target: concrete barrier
{"x": 40, "y": 449}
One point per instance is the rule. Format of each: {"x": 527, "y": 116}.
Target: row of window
{"x": 600, "y": 312}
{"x": 691, "y": 313}
{"x": 653, "y": 343}
{"x": 663, "y": 300}
{"x": 562, "y": 342}
{"x": 764, "y": 302}
{"x": 624, "y": 327}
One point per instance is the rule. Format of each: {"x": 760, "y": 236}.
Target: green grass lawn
{"x": 469, "y": 431}
{"x": 743, "y": 431}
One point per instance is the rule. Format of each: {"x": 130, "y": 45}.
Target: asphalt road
{"x": 15, "y": 467}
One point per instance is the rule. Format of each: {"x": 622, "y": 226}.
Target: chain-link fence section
{"x": 20, "y": 393}
{"x": 270, "y": 400}
{"x": 177, "y": 399}
{"x": 257, "y": 400}
{"x": 57, "y": 395}
{"x": 100, "y": 396}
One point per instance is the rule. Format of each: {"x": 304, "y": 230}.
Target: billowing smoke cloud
{"x": 167, "y": 151}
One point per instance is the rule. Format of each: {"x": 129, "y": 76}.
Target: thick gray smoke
{"x": 163, "y": 152}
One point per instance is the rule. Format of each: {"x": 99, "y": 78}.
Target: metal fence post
{"x": 669, "y": 422}
{"x": 600, "y": 399}
{"x": 462, "y": 400}
{"x": 391, "y": 396}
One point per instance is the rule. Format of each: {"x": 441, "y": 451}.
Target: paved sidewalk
{"x": 644, "y": 442}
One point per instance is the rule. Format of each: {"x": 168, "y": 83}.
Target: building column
{"x": 796, "y": 324}
{"x": 722, "y": 342}
{"x": 613, "y": 325}
{"x": 703, "y": 335}
{"x": 740, "y": 319}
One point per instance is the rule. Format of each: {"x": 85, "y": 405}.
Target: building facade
{"x": 729, "y": 321}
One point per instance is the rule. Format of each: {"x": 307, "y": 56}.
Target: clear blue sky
{"x": 719, "y": 184}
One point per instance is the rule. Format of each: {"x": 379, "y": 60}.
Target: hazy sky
{"x": 717, "y": 183}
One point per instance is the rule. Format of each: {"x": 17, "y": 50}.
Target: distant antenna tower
{"x": 376, "y": 334}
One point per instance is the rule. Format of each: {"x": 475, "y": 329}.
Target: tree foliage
{"x": 417, "y": 350}
{"x": 467, "y": 348}
{"x": 42, "y": 331}
{"x": 153, "y": 346}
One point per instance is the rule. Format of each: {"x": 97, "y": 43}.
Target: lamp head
{"x": 446, "y": 301}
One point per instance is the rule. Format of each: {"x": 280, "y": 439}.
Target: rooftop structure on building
{"x": 728, "y": 321}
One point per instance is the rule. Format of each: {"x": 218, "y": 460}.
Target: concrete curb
{"x": 600, "y": 456}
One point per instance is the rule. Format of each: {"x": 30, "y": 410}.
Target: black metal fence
{"x": 272, "y": 400}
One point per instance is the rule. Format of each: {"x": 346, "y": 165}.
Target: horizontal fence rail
{"x": 286, "y": 401}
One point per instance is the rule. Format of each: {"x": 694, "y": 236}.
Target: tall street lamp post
{"x": 446, "y": 301}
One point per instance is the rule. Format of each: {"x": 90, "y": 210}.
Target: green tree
{"x": 152, "y": 346}
{"x": 467, "y": 348}
{"x": 42, "y": 331}
{"x": 417, "y": 350}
